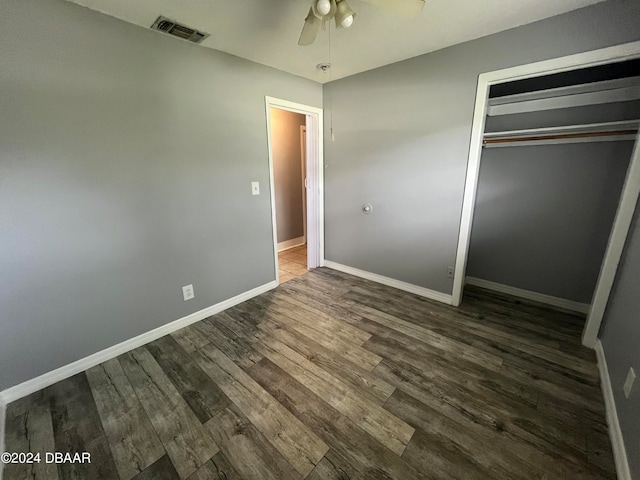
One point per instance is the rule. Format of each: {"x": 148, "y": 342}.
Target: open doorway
{"x": 295, "y": 159}
{"x": 288, "y": 137}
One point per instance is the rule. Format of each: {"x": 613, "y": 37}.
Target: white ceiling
{"x": 267, "y": 31}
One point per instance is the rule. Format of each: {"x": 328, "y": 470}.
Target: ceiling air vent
{"x": 166, "y": 25}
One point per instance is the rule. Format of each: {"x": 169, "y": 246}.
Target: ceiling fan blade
{"x": 406, "y": 7}
{"x": 310, "y": 29}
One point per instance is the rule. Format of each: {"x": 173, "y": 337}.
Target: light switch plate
{"x": 255, "y": 188}
{"x": 628, "y": 383}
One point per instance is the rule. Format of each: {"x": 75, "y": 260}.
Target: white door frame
{"x": 628, "y": 199}
{"x": 303, "y": 164}
{"x": 314, "y": 184}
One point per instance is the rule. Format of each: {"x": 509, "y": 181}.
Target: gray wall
{"x": 402, "y": 139}
{"x": 126, "y": 159}
{"x": 620, "y": 338}
{"x": 544, "y": 213}
{"x": 287, "y": 173}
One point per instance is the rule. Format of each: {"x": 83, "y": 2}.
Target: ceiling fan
{"x": 323, "y": 11}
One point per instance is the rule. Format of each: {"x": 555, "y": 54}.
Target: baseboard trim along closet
{"x": 529, "y": 295}
{"x": 391, "y": 282}
{"x": 615, "y": 433}
{"x": 49, "y": 378}
{"x": 294, "y": 242}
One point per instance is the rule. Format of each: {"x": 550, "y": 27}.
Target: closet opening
{"x": 552, "y": 181}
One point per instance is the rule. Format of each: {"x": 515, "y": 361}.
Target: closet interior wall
{"x": 545, "y": 208}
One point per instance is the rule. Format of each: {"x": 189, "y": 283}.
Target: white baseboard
{"x": 294, "y": 242}
{"x": 537, "y": 297}
{"x": 391, "y": 282}
{"x": 30, "y": 386}
{"x": 615, "y": 433}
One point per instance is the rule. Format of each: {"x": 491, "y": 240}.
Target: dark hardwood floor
{"x": 334, "y": 377}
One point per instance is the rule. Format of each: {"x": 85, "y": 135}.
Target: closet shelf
{"x": 593, "y": 132}
{"x": 596, "y": 93}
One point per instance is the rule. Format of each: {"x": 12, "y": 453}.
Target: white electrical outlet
{"x": 628, "y": 383}
{"x": 255, "y": 188}
{"x": 450, "y": 271}
{"x": 187, "y": 292}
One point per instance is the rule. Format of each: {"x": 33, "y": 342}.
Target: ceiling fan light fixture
{"x": 323, "y": 7}
{"x": 347, "y": 22}
{"x": 320, "y": 6}
{"x": 344, "y": 14}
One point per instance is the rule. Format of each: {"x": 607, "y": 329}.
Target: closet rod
{"x": 491, "y": 141}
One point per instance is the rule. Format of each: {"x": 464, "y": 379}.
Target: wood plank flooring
{"x": 334, "y": 377}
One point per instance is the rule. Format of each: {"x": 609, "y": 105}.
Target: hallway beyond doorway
{"x": 292, "y": 263}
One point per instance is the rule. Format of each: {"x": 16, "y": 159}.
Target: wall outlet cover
{"x": 450, "y": 271}
{"x": 255, "y": 188}
{"x": 628, "y": 383}
{"x": 187, "y": 292}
